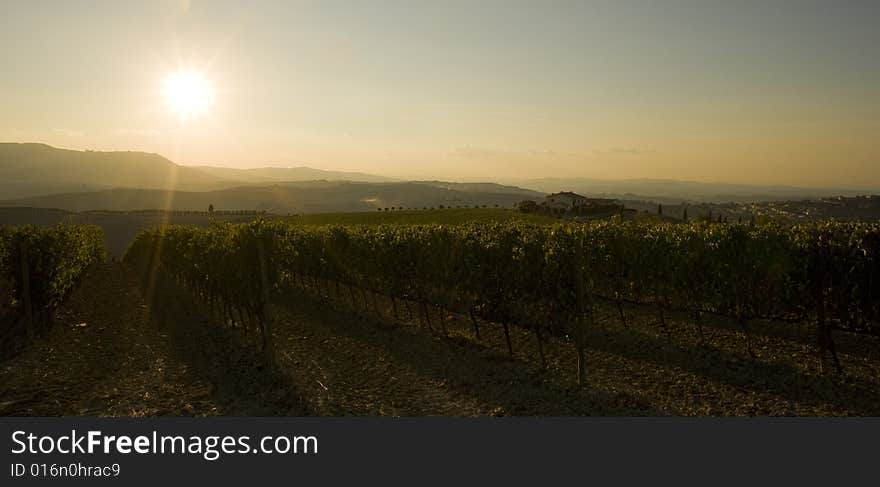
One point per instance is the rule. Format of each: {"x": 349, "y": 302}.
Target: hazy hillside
{"x": 281, "y": 174}
{"x": 281, "y": 198}
{"x": 34, "y": 169}
{"x": 671, "y": 190}
{"x": 28, "y": 170}
{"x": 484, "y": 188}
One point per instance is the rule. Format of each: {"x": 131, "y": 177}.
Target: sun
{"x": 188, "y": 94}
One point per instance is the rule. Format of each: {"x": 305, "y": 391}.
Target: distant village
{"x": 856, "y": 208}
{"x": 568, "y": 204}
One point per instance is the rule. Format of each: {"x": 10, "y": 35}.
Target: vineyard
{"x": 40, "y": 268}
{"x": 446, "y": 216}
{"x": 545, "y": 279}
{"x": 473, "y": 318}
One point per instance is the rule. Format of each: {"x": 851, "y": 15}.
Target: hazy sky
{"x": 746, "y": 91}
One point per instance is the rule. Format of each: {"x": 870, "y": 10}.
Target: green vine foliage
{"x": 524, "y": 274}
{"x": 56, "y": 259}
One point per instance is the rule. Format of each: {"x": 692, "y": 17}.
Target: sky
{"x": 766, "y": 92}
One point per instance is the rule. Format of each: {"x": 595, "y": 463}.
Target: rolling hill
{"x": 28, "y": 170}
{"x": 490, "y": 188}
{"x": 39, "y": 169}
{"x": 41, "y": 176}
{"x": 314, "y": 197}
{"x": 283, "y": 174}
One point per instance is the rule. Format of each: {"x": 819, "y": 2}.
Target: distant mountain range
{"x": 28, "y": 170}
{"x": 39, "y": 175}
{"x": 39, "y": 169}
{"x": 284, "y": 174}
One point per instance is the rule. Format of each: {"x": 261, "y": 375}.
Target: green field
{"x": 446, "y": 216}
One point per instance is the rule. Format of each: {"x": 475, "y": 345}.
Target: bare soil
{"x": 115, "y": 352}
{"x": 111, "y": 353}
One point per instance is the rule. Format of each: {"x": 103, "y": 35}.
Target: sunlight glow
{"x": 188, "y": 94}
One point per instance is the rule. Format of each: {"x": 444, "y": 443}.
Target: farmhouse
{"x": 565, "y": 199}
{"x": 568, "y": 200}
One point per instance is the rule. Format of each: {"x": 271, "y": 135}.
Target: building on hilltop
{"x": 564, "y": 199}
{"x": 568, "y": 200}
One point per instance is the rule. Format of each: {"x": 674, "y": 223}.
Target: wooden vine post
{"x": 268, "y": 346}
{"x": 26, "y": 292}
{"x": 580, "y": 324}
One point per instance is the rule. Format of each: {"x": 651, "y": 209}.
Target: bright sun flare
{"x": 188, "y": 93}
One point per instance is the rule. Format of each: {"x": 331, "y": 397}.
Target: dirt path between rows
{"x": 112, "y": 354}
{"x": 352, "y": 363}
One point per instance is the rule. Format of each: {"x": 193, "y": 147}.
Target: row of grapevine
{"x": 221, "y": 265}
{"x": 44, "y": 265}
{"x": 530, "y": 275}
